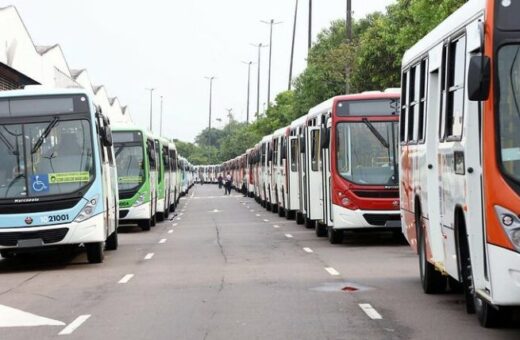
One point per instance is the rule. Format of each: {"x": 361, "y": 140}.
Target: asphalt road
{"x": 225, "y": 268}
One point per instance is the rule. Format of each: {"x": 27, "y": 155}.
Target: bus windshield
{"x": 48, "y": 157}
{"x": 366, "y": 152}
{"x": 129, "y": 151}
{"x": 509, "y": 109}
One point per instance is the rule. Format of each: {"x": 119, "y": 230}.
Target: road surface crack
{"x": 219, "y": 241}
{"x": 20, "y": 285}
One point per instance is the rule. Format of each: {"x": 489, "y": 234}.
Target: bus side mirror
{"x": 479, "y": 78}
{"x": 302, "y": 144}
{"x": 269, "y": 155}
{"x": 325, "y": 137}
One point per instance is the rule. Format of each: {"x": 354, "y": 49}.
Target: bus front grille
{"x": 377, "y": 194}
{"x": 381, "y": 219}
{"x": 10, "y": 239}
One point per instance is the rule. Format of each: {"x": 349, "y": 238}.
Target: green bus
{"x": 138, "y": 162}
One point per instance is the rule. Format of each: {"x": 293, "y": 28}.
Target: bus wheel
{"x": 281, "y": 212}
{"x": 166, "y": 213}
{"x": 160, "y": 216}
{"x": 488, "y": 315}
{"x": 112, "y": 241}
{"x": 153, "y": 220}
{"x": 299, "y": 218}
{"x": 7, "y": 254}
{"x": 335, "y": 236}
{"x": 321, "y": 229}
{"x": 432, "y": 281}
{"x": 145, "y": 225}
{"x": 274, "y": 208}
{"x": 95, "y": 252}
{"x": 290, "y": 214}
{"x": 309, "y": 224}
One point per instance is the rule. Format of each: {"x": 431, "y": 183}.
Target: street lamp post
{"x": 271, "y": 23}
{"x": 210, "y": 104}
{"x": 161, "y": 117}
{"x": 249, "y": 63}
{"x": 259, "y": 46}
{"x": 292, "y": 44}
{"x": 151, "y": 103}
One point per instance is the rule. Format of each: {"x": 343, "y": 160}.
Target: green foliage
{"x": 372, "y": 61}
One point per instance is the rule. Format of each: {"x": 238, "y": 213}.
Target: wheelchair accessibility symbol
{"x": 40, "y": 183}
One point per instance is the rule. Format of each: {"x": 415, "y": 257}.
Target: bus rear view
{"x": 52, "y": 189}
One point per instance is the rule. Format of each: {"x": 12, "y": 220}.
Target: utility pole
{"x": 309, "y": 43}
{"x": 349, "y": 21}
{"x": 210, "y": 104}
{"x": 271, "y": 23}
{"x": 349, "y": 40}
{"x": 160, "y": 127}
{"x": 229, "y": 115}
{"x": 259, "y": 46}
{"x": 248, "y": 63}
{"x": 151, "y": 103}
{"x": 292, "y": 44}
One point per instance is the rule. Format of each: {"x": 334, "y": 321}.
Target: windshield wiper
{"x": 376, "y": 133}
{"x": 44, "y": 135}
{"x": 11, "y": 148}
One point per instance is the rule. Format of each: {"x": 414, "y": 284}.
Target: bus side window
{"x": 455, "y": 95}
{"x": 412, "y": 102}
{"x": 423, "y": 100}
{"x": 443, "y": 94}
{"x": 402, "y": 126}
{"x": 315, "y": 150}
{"x": 294, "y": 155}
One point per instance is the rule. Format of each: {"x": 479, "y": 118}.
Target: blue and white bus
{"x": 58, "y": 181}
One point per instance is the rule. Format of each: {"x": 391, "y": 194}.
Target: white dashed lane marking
{"x": 370, "y": 311}
{"x": 170, "y": 231}
{"x": 308, "y": 250}
{"x": 149, "y": 256}
{"x": 288, "y": 236}
{"x": 163, "y": 240}
{"x": 74, "y": 324}
{"x": 126, "y": 278}
{"x": 276, "y": 226}
{"x": 332, "y": 271}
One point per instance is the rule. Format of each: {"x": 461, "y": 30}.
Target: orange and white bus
{"x": 460, "y": 155}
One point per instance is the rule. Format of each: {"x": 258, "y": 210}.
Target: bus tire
{"x": 488, "y": 316}
{"x": 274, "y": 208}
{"x": 299, "y": 218}
{"x": 112, "y": 242}
{"x": 95, "y": 252}
{"x": 153, "y": 220}
{"x": 145, "y": 225}
{"x": 432, "y": 281}
{"x": 335, "y": 236}
{"x": 160, "y": 216}
{"x": 309, "y": 224}
{"x": 465, "y": 268}
{"x": 281, "y": 212}
{"x": 320, "y": 229}
{"x": 290, "y": 214}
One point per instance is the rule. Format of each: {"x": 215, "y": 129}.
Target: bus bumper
{"x": 141, "y": 212}
{"x": 504, "y": 267}
{"x": 91, "y": 230}
{"x": 366, "y": 219}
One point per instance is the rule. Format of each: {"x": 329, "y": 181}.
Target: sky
{"x": 131, "y": 45}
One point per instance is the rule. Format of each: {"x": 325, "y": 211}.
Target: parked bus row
{"x": 207, "y": 173}
{"x": 447, "y": 175}
{"x": 67, "y": 179}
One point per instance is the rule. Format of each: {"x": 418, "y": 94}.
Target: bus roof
{"x": 456, "y": 21}
{"x": 41, "y": 91}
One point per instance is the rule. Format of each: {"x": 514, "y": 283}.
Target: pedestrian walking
{"x": 244, "y": 185}
{"x": 229, "y": 181}
{"x": 220, "y": 181}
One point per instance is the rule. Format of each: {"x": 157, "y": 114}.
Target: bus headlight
{"x": 140, "y": 200}
{"x": 510, "y": 223}
{"x": 88, "y": 210}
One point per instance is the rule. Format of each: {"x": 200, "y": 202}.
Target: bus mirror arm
{"x": 325, "y": 137}
{"x": 479, "y": 78}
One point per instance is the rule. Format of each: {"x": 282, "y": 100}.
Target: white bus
{"x": 58, "y": 183}
{"x": 460, "y": 155}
